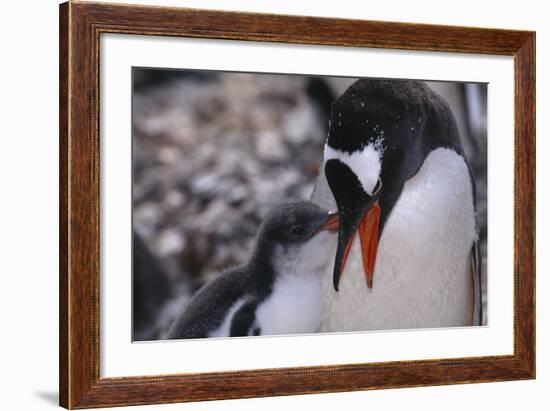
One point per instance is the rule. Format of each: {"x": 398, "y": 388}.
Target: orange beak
{"x": 368, "y": 236}
{"x": 331, "y": 224}
{"x": 358, "y": 212}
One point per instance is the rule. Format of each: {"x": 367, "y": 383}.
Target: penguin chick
{"x": 278, "y": 291}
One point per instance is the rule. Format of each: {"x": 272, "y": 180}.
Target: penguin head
{"x": 374, "y": 139}
{"x": 295, "y": 237}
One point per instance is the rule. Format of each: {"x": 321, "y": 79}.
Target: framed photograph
{"x": 259, "y": 205}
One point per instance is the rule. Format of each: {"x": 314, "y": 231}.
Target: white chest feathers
{"x": 422, "y": 276}
{"x": 296, "y": 303}
{"x": 294, "y": 307}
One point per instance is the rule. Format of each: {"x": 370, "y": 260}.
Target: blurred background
{"x": 213, "y": 152}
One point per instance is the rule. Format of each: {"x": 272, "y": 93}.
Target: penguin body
{"x": 394, "y": 145}
{"x": 278, "y": 291}
{"x": 412, "y": 289}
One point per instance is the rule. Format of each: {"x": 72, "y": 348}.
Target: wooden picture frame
{"x": 80, "y": 27}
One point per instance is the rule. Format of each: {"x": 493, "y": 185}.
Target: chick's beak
{"x": 331, "y": 223}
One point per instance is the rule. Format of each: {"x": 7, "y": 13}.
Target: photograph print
{"x": 277, "y": 204}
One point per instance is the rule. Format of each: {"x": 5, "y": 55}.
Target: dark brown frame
{"x": 80, "y": 27}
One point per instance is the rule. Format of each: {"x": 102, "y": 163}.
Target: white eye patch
{"x": 365, "y": 163}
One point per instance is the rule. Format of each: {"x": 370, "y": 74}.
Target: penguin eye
{"x": 297, "y": 230}
{"x": 377, "y": 187}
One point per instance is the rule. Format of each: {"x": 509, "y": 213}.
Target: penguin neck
{"x": 303, "y": 262}
{"x": 261, "y": 266}
{"x": 306, "y": 260}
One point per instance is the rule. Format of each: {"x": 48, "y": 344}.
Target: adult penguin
{"x": 395, "y": 170}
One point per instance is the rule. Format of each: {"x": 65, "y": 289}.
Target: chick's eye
{"x": 297, "y": 230}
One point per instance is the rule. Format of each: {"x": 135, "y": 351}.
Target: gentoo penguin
{"x": 278, "y": 291}
{"x": 395, "y": 170}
